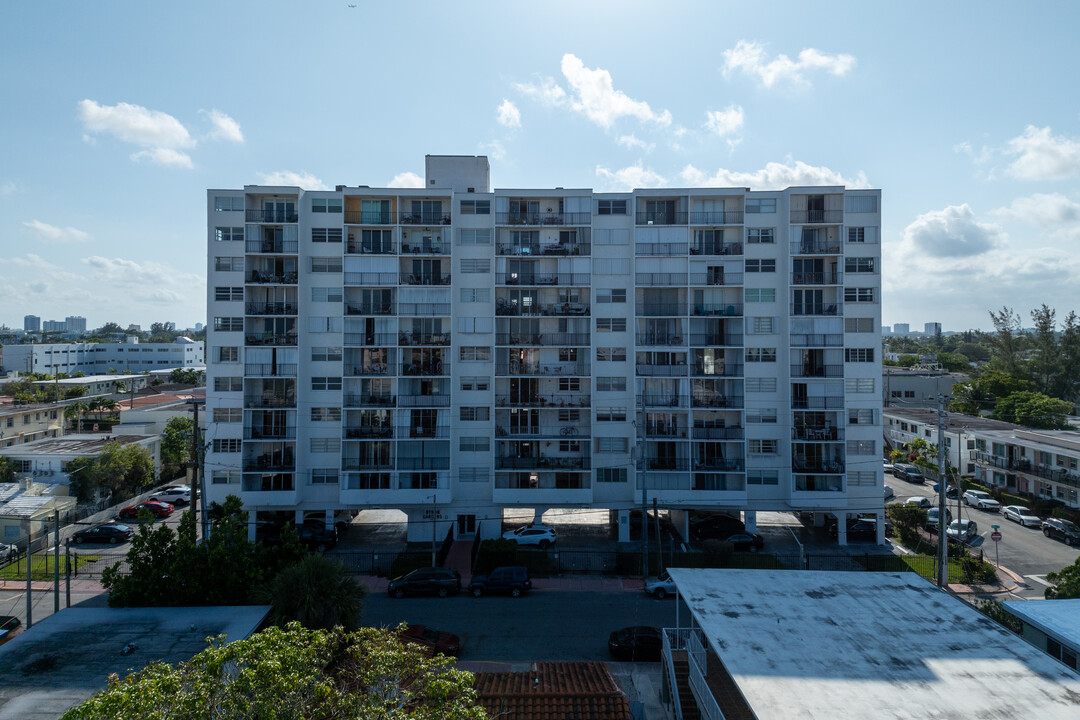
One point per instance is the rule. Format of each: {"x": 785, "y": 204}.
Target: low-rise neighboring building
{"x": 916, "y": 387}
{"x": 152, "y": 412}
{"x": 101, "y": 384}
{"x": 47, "y": 460}
{"x": 1052, "y": 626}
{"x": 1043, "y": 464}
{"x": 26, "y": 423}
{"x": 99, "y": 358}
{"x": 902, "y": 425}
{"x": 28, "y": 508}
{"x": 553, "y": 690}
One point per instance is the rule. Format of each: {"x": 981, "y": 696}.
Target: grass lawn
{"x": 43, "y": 566}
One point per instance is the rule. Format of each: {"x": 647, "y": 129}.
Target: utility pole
{"x": 29, "y": 587}
{"x": 644, "y": 492}
{"x": 434, "y": 517}
{"x": 943, "y": 524}
{"x": 198, "y": 504}
{"x": 56, "y": 564}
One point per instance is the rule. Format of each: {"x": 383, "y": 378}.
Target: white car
{"x": 919, "y": 501}
{"x": 661, "y": 586}
{"x": 1020, "y": 514}
{"x": 981, "y": 500}
{"x": 962, "y": 530}
{"x": 539, "y": 535}
{"x": 6, "y": 552}
{"x": 175, "y": 495}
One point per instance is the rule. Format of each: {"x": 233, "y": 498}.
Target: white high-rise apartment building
{"x": 453, "y": 351}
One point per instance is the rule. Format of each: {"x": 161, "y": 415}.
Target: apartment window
{"x": 473, "y": 414}
{"x": 325, "y": 264}
{"x": 765, "y": 266}
{"x": 859, "y": 264}
{"x": 228, "y": 415}
{"x": 325, "y": 383}
{"x": 762, "y": 447}
{"x": 568, "y": 446}
{"x": 610, "y": 324}
{"x": 569, "y": 384}
{"x": 475, "y": 237}
{"x": 326, "y": 354}
{"x": 567, "y": 354}
{"x": 610, "y": 207}
{"x": 860, "y": 385}
{"x": 481, "y": 265}
{"x": 229, "y": 234}
{"x": 224, "y": 477}
{"x": 611, "y": 444}
{"x": 475, "y": 207}
{"x": 569, "y": 416}
{"x": 228, "y": 384}
{"x": 324, "y": 476}
{"x": 480, "y": 353}
{"x": 858, "y": 294}
{"x": 754, "y": 295}
{"x": 760, "y": 205}
{"x": 474, "y": 474}
{"x": 611, "y": 384}
{"x": 229, "y": 264}
{"x": 858, "y": 354}
{"x": 477, "y": 382}
{"x": 226, "y": 354}
{"x": 325, "y": 324}
{"x": 610, "y": 475}
{"x": 762, "y": 477}
{"x": 763, "y": 325}
{"x": 324, "y": 445}
{"x": 760, "y": 236}
{"x": 326, "y": 205}
{"x": 862, "y": 416}
{"x": 860, "y": 203}
{"x": 228, "y": 204}
{"x": 326, "y": 235}
{"x": 861, "y": 447}
{"x": 326, "y": 294}
{"x": 229, "y": 293}
{"x": 229, "y": 324}
{"x": 760, "y": 384}
{"x": 909, "y": 393}
{"x": 611, "y": 295}
{"x": 760, "y": 354}
{"x": 859, "y": 325}
{"x": 325, "y": 414}
{"x": 474, "y": 443}
{"x": 761, "y": 415}
{"x": 856, "y": 234}
{"x": 611, "y": 354}
{"x": 227, "y": 445}
{"x": 475, "y": 295}
{"x": 611, "y": 414}
{"x": 862, "y": 477}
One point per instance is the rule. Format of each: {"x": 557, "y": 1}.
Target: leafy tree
{"x": 82, "y": 480}
{"x": 1069, "y": 381}
{"x": 125, "y": 467}
{"x": 187, "y": 376}
{"x": 317, "y": 593}
{"x": 1006, "y": 341}
{"x": 907, "y": 519}
{"x": 294, "y": 674}
{"x": 1066, "y": 583}
{"x": 1033, "y": 409}
{"x": 974, "y": 352}
{"x": 7, "y": 470}
{"x": 954, "y": 362}
{"x": 176, "y": 445}
{"x": 1044, "y": 366}
{"x": 109, "y": 328}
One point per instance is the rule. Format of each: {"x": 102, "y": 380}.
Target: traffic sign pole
{"x": 996, "y": 537}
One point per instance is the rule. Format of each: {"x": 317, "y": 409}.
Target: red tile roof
{"x": 553, "y": 691}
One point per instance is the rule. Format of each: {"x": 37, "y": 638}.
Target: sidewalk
{"x": 1008, "y": 581}
{"x": 573, "y": 583}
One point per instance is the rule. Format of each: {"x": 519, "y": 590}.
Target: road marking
{"x": 1041, "y": 579}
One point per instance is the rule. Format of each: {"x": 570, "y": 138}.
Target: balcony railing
{"x": 649, "y": 309}
{"x": 543, "y": 369}
{"x": 555, "y": 402}
{"x": 811, "y": 308}
{"x": 817, "y": 434}
{"x": 421, "y": 432}
{"x": 824, "y": 402}
{"x": 271, "y": 308}
{"x": 370, "y": 370}
{"x": 665, "y": 430}
{"x": 270, "y": 369}
{"x": 369, "y": 432}
{"x": 424, "y": 218}
{"x": 424, "y": 309}
{"x": 270, "y": 216}
{"x": 816, "y": 278}
{"x": 716, "y": 248}
{"x": 725, "y": 369}
{"x": 664, "y": 464}
{"x": 659, "y": 339}
{"x": 287, "y": 432}
{"x": 661, "y": 249}
{"x": 817, "y": 371}
{"x": 817, "y": 340}
{"x": 718, "y": 433}
{"x": 518, "y": 250}
{"x": 269, "y": 401}
{"x": 269, "y": 463}
{"x": 661, "y": 279}
{"x": 1058, "y": 475}
{"x": 423, "y": 463}
{"x": 371, "y": 339}
{"x": 567, "y": 309}
{"x": 370, "y": 400}
{"x": 270, "y": 339}
{"x": 732, "y": 278}
{"x": 381, "y": 248}
{"x": 272, "y": 247}
{"x": 566, "y": 218}
{"x": 716, "y": 217}
{"x": 661, "y": 217}
{"x": 423, "y": 401}
{"x": 542, "y": 463}
{"x": 368, "y": 217}
{"x": 261, "y": 277}
{"x": 816, "y": 466}
{"x": 379, "y": 279}
{"x": 424, "y": 338}
{"x": 815, "y": 247}
{"x": 664, "y": 400}
{"x": 718, "y": 309}
{"x": 715, "y": 340}
{"x": 650, "y": 370}
{"x": 424, "y": 279}
{"x": 560, "y": 279}
{"x": 817, "y": 217}
{"x": 729, "y": 402}
{"x": 720, "y": 464}
{"x": 433, "y": 369}
{"x": 420, "y": 248}
{"x": 368, "y": 309}
{"x": 561, "y": 339}
{"x": 550, "y": 432}
{"x": 374, "y": 463}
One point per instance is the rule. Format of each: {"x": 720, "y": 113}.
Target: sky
{"x": 115, "y": 118}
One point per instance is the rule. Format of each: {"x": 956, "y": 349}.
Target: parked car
{"x": 432, "y": 640}
{"x": 919, "y": 501}
{"x": 716, "y": 527}
{"x": 176, "y": 495}
{"x": 1020, "y": 514}
{"x": 952, "y": 492}
{"x": 639, "y": 642}
{"x": 111, "y": 533}
{"x": 932, "y": 518}
{"x": 962, "y": 530}
{"x": 888, "y": 468}
{"x": 862, "y": 527}
{"x": 8, "y": 625}
{"x": 889, "y": 493}
{"x": 540, "y": 535}
{"x": 157, "y": 509}
{"x": 746, "y": 542}
{"x": 908, "y": 472}
{"x": 7, "y": 552}
{"x": 509, "y": 579}
{"x": 981, "y": 500}
{"x": 1064, "y": 530}
{"x": 661, "y": 586}
{"x": 316, "y": 536}
{"x": 426, "y": 581}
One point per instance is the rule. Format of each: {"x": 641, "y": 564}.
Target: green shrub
{"x": 406, "y": 562}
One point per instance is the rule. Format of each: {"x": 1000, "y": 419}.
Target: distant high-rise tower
{"x": 75, "y": 323}
{"x": 901, "y": 329}
{"x": 31, "y": 323}
{"x": 931, "y": 329}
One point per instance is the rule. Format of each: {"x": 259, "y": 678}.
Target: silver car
{"x": 1020, "y": 514}
{"x": 661, "y": 586}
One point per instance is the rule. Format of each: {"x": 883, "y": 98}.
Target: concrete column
{"x": 624, "y": 526}
{"x": 538, "y": 515}
{"x": 329, "y": 519}
{"x": 880, "y": 527}
{"x": 681, "y": 520}
{"x": 251, "y": 526}
{"x": 298, "y": 517}
{"x": 841, "y": 528}
{"x": 750, "y": 521}
{"x": 819, "y": 519}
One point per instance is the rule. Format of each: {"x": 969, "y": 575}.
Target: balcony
{"x": 423, "y": 463}
{"x": 423, "y": 432}
{"x": 368, "y": 217}
{"x": 661, "y": 279}
{"x": 260, "y": 277}
{"x": 650, "y": 370}
{"x": 816, "y": 247}
{"x": 716, "y": 217}
{"x": 424, "y": 217}
{"x": 269, "y": 401}
{"x": 816, "y": 465}
{"x": 720, "y": 465}
{"x": 827, "y": 402}
{"x": 271, "y": 308}
{"x": 273, "y": 339}
{"x": 542, "y": 463}
{"x": 716, "y": 248}
{"x": 817, "y": 340}
{"x": 552, "y": 279}
{"x": 656, "y": 464}
{"x": 660, "y": 309}
{"x": 270, "y": 370}
{"x": 540, "y": 219}
{"x": 270, "y": 432}
{"x": 424, "y": 279}
{"x": 817, "y": 278}
{"x": 659, "y": 339}
{"x": 272, "y": 462}
{"x": 369, "y": 432}
{"x": 408, "y": 339}
{"x": 718, "y": 310}
{"x": 817, "y": 371}
{"x": 370, "y": 339}
{"x": 662, "y": 249}
{"x": 424, "y": 309}
{"x": 371, "y": 463}
{"x": 665, "y": 431}
{"x": 425, "y": 401}
{"x": 536, "y": 309}
{"x": 422, "y": 248}
{"x": 662, "y": 217}
{"x": 817, "y": 434}
{"x": 546, "y": 432}
{"x": 664, "y": 400}
{"x": 820, "y": 309}
{"x": 716, "y": 279}
{"x": 817, "y": 217}
{"x": 368, "y": 370}
{"x": 271, "y": 247}
{"x": 707, "y": 432}
{"x": 553, "y": 402}
{"x": 431, "y": 368}
{"x": 561, "y": 339}
{"x": 715, "y": 340}
{"x": 717, "y": 402}
{"x": 370, "y": 309}
{"x": 369, "y": 400}
{"x": 544, "y": 370}
{"x": 717, "y": 369}
{"x": 371, "y": 248}
{"x": 819, "y": 483}
{"x": 270, "y": 216}
{"x": 375, "y": 279}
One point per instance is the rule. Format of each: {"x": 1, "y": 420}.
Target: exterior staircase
{"x": 688, "y": 709}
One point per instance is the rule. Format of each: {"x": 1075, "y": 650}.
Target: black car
{"x": 511, "y": 579}
{"x": 639, "y": 642}
{"x": 1064, "y": 530}
{"x": 317, "y": 537}
{"x": 716, "y": 527}
{"x": 110, "y": 533}
{"x": 426, "y": 581}
{"x": 865, "y": 528}
{"x": 746, "y": 542}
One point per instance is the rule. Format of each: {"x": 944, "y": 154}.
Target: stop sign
{"x": 995, "y": 536}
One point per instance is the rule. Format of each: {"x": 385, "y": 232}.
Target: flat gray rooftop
{"x": 953, "y": 421}
{"x": 1059, "y": 619}
{"x": 68, "y": 656}
{"x": 839, "y": 645}
{"x": 70, "y": 445}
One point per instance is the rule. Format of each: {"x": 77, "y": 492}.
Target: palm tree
{"x": 76, "y": 410}
{"x": 317, "y": 593}
{"x": 107, "y": 405}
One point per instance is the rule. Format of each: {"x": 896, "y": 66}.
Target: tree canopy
{"x": 1066, "y": 583}
{"x": 1033, "y": 409}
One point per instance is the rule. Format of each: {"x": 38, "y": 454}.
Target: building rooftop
{"x": 1052, "y": 441}
{"x": 1060, "y": 619}
{"x": 923, "y": 372}
{"x": 553, "y": 690}
{"x": 953, "y": 421}
{"x": 840, "y": 645}
{"x": 28, "y": 506}
{"x": 87, "y": 379}
{"x": 74, "y": 445}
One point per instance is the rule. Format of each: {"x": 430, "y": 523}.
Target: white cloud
{"x": 1043, "y": 156}
{"x": 726, "y": 121}
{"x": 507, "y": 114}
{"x": 1050, "y": 210}
{"x": 494, "y": 150}
{"x": 164, "y": 156}
{"x": 593, "y": 94}
{"x": 224, "y": 127}
{"x": 149, "y": 281}
{"x": 302, "y": 179}
{"x": 135, "y": 124}
{"x": 406, "y": 180}
{"x": 7, "y": 188}
{"x": 952, "y": 233}
{"x": 628, "y": 178}
{"x": 980, "y": 157}
{"x": 750, "y": 58}
{"x": 774, "y": 176}
{"x": 632, "y": 141}
{"x": 53, "y": 233}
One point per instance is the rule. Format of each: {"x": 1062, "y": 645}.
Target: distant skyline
{"x": 118, "y": 117}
